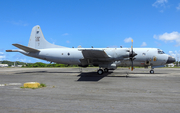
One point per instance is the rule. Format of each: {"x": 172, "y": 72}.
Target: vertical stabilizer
{"x": 38, "y": 41}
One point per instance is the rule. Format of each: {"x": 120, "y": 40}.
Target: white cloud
{"x": 161, "y": 11}
{"x": 178, "y": 7}
{"x": 18, "y": 23}
{"x": 65, "y": 34}
{"x": 144, "y": 44}
{"x": 67, "y": 41}
{"x": 53, "y": 41}
{"x": 160, "y": 3}
{"x": 172, "y": 54}
{"x": 175, "y": 54}
{"x": 19, "y": 57}
{"x": 158, "y": 44}
{"x": 2, "y": 56}
{"x": 174, "y": 36}
{"x": 127, "y": 40}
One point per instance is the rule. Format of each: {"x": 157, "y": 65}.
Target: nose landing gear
{"x": 151, "y": 71}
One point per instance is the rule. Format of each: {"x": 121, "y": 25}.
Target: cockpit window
{"x": 160, "y": 51}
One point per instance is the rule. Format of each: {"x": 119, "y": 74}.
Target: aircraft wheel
{"x": 152, "y": 71}
{"x": 100, "y": 72}
{"x": 106, "y": 70}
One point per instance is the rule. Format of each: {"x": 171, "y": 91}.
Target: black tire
{"x": 106, "y": 70}
{"x": 151, "y": 71}
{"x": 100, "y": 72}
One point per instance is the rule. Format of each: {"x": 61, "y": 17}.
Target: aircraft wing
{"x": 94, "y": 54}
{"x": 25, "y": 48}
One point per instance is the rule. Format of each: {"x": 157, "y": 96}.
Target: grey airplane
{"x": 106, "y": 58}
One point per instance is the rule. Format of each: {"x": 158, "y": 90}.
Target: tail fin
{"x": 38, "y": 41}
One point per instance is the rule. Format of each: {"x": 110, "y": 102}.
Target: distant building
{"x": 171, "y": 65}
{"x": 3, "y": 65}
{"x": 19, "y": 65}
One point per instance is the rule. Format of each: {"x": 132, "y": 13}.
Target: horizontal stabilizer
{"x": 25, "y": 48}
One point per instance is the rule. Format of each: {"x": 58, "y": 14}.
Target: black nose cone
{"x": 170, "y": 60}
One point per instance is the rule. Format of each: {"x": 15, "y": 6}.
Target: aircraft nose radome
{"x": 170, "y": 60}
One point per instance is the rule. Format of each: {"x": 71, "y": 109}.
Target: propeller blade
{"x": 132, "y": 45}
{"x": 132, "y": 65}
{"x": 131, "y": 55}
{"x": 132, "y": 68}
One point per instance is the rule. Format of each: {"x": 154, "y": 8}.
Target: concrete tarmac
{"x": 70, "y": 91}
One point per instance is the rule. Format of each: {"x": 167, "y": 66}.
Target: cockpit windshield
{"x": 160, "y": 51}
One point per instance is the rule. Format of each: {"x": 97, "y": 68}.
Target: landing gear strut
{"x": 106, "y": 70}
{"x": 152, "y": 70}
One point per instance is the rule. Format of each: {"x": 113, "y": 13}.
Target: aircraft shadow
{"x": 156, "y": 73}
{"x": 93, "y": 73}
{"x": 91, "y": 76}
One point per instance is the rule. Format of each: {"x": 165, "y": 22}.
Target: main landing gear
{"x": 101, "y": 71}
{"x": 151, "y": 71}
{"x": 106, "y": 70}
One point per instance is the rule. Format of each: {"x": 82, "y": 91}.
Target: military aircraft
{"x": 106, "y": 58}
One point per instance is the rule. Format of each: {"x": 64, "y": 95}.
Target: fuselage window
{"x": 144, "y": 54}
{"x": 68, "y": 54}
{"x": 37, "y": 32}
{"x": 62, "y": 53}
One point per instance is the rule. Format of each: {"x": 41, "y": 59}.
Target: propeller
{"x": 131, "y": 56}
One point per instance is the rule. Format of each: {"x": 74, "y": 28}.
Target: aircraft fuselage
{"x": 144, "y": 57}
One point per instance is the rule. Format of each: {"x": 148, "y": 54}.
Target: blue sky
{"x": 97, "y": 23}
